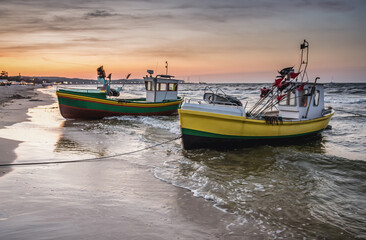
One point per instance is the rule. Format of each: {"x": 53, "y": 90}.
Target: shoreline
{"x": 150, "y": 209}
{"x": 14, "y": 104}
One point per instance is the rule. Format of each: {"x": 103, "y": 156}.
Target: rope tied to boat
{"x": 88, "y": 159}
{"x": 357, "y": 114}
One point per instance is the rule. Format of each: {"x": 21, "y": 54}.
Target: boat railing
{"x": 188, "y": 100}
{"x": 199, "y": 101}
{"x": 208, "y": 88}
{"x": 79, "y": 90}
{"x": 219, "y": 97}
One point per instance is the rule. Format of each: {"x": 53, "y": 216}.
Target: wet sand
{"x": 14, "y": 104}
{"x": 128, "y": 203}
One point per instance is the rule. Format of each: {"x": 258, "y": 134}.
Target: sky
{"x": 205, "y": 40}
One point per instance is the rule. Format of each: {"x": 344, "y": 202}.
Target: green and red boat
{"x": 161, "y": 99}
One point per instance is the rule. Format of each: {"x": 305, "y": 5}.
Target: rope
{"x": 357, "y": 114}
{"x": 87, "y": 159}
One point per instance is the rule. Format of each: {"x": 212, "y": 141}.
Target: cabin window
{"x": 303, "y": 97}
{"x": 172, "y": 87}
{"x": 316, "y": 98}
{"x": 289, "y": 100}
{"x": 148, "y": 86}
{"x": 162, "y": 87}
{"x": 292, "y": 98}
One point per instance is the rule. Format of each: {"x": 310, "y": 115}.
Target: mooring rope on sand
{"x": 87, "y": 159}
{"x": 357, "y": 114}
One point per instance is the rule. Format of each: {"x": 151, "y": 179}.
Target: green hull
{"x": 95, "y": 105}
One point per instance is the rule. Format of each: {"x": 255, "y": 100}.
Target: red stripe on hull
{"x": 82, "y": 113}
{"x": 112, "y": 104}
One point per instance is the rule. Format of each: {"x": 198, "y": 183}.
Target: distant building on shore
{"x": 4, "y": 75}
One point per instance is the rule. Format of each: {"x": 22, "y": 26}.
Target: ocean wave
{"x": 347, "y": 100}
{"x": 356, "y": 91}
{"x": 258, "y": 184}
{"x": 334, "y": 91}
{"x": 163, "y": 122}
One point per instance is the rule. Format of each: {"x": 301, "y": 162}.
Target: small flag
{"x": 301, "y": 88}
{"x": 277, "y": 82}
{"x": 294, "y": 75}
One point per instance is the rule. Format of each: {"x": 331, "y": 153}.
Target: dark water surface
{"x": 311, "y": 190}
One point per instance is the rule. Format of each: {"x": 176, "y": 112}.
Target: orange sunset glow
{"x": 214, "y": 41}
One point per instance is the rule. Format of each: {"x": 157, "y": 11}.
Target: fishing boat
{"x": 291, "y": 109}
{"x": 161, "y": 99}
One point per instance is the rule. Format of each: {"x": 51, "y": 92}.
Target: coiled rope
{"x": 87, "y": 159}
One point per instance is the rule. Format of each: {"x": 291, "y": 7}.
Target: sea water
{"x": 313, "y": 190}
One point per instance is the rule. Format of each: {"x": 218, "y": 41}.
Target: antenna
{"x": 110, "y": 78}
{"x": 128, "y": 75}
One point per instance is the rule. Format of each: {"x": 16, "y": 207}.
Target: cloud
{"x": 36, "y": 47}
{"x": 91, "y": 15}
{"x": 90, "y": 39}
{"x": 334, "y": 6}
{"x": 282, "y": 6}
{"x": 205, "y": 29}
{"x": 100, "y": 13}
{"x": 68, "y": 63}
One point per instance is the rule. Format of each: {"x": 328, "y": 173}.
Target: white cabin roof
{"x": 161, "y": 79}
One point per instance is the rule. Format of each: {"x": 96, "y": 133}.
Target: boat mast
{"x": 282, "y": 85}
{"x": 304, "y": 45}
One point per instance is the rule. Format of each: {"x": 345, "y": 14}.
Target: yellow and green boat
{"x": 291, "y": 109}
{"x": 161, "y": 99}
{"x": 207, "y": 129}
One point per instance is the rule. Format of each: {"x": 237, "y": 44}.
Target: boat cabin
{"x": 161, "y": 87}
{"x": 301, "y": 104}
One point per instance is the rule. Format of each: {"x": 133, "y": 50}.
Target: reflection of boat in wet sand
{"x": 161, "y": 99}
{"x": 291, "y": 109}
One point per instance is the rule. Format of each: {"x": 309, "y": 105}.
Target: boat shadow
{"x": 254, "y": 158}
{"x": 73, "y": 141}
{"x": 315, "y": 142}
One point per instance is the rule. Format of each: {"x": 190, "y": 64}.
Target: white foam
{"x": 258, "y": 187}
{"x": 159, "y": 122}
{"x": 162, "y": 122}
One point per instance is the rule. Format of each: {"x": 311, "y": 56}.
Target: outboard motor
{"x": 213, "y": 98}
{"x": 113, "y": 92}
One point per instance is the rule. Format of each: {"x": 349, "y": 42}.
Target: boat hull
{"x": 75, "y": 105}
{"x": 213, "y": 130}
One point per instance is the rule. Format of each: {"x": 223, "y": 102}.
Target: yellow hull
{"x": 201, "y": 126}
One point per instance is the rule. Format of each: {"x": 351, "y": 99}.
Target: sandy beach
{"x": 14, "y": 104}
{"x": 136, "y": 206}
